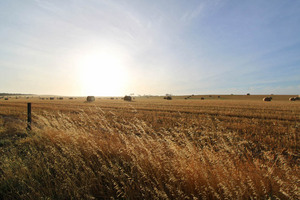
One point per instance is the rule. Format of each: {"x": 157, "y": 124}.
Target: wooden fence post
{"x": 29, "y": 116}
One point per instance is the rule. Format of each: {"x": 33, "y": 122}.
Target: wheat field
{"x": 227, "y": 147}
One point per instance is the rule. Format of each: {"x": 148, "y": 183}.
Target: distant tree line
{"x": 12, "y": 94}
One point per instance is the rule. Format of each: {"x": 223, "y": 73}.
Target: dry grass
{"x": 150, "y": 149}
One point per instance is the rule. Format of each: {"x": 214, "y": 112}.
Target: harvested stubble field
{"x": 232, "y": 147}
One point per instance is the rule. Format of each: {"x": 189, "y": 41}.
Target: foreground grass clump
{"x": 93, "y": 156}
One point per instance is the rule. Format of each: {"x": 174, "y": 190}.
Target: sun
{"x": 102, "y": 73}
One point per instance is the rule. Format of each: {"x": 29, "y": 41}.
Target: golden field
{"x": 232, "y": 147}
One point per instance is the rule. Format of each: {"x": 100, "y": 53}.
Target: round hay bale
{"x": 127, "y": 98}
{"x": 90, "y": 99}
{"x": 267, "y": 99}
{"x": 292, "y": 99}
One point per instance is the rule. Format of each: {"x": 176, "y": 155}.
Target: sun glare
{"x": 102, "y": 74}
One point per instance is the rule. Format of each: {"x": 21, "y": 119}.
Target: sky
{"x": 114, "y": 48}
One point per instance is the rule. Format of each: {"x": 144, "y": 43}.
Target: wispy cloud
{"x": 192, "y": 14}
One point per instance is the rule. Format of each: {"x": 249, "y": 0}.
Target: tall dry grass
{"x": 97, "y": 154}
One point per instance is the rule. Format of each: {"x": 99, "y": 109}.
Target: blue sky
{"x": 100, "y": 47}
